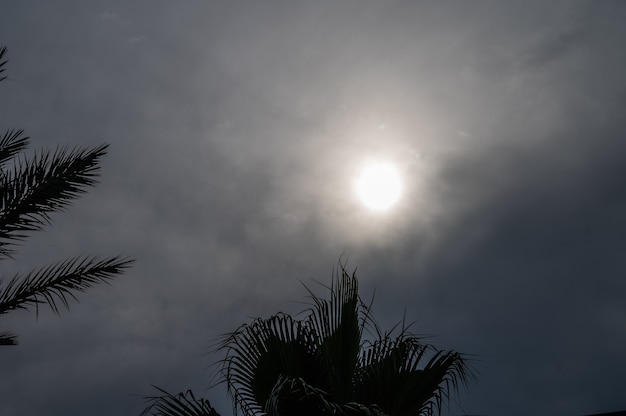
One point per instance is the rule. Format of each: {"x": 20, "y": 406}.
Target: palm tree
{"x": 30, "y": 190}
{"x": 335, "y": 361}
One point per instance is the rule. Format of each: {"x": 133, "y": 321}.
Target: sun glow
{"x": 379, "y": 186}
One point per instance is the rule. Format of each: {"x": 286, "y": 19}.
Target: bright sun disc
{"x": 379, "y": 186}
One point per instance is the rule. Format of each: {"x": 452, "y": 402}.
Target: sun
{"x": 379, "y": 186}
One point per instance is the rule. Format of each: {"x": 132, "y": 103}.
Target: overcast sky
{"x": 237, "y": 130}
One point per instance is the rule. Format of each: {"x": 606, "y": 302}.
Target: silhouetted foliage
{"x": 180, "y": 404}
{"x": 3, "y": 63}
{"x": 30, "y": 190}
{"x": 336, "y": 361}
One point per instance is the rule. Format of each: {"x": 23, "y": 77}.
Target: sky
{"x": 236, "y": 132}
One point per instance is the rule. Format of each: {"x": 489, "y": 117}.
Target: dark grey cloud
{"x": 235, "y": 133}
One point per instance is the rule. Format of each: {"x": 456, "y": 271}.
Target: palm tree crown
{"x": 325, "y": 364}
{"x": 334, "y": 361}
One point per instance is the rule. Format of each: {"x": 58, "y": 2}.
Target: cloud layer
{"x": 236, "y": 133}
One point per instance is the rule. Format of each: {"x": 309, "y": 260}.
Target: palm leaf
{"x": 257, "y": 354}
{"x": 11, "y": 144}
{"x": 181, "y": 404}
{"x": 35, "y": 188}
{"x": 407, "y": 377}
{"x": 294, "y": 396}
{"x": 30, "y": 190}
{"x": 3, "y": 51}
{"x": 7, "y": 338}
{"x": 54, "y": 285}
{"x": 337, "y": 324}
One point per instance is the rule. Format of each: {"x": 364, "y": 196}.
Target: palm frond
{"x": 37, "y": 187}
{"x": 446, "y": 373}
{"x": 7, "y": 338}
{"x": 3, "y": 51}
{"x": 403, "y": 375}
{"x": 337, "y": 324}
{"x": 181, "y": 404}
{"x": 257, "y": 354}
{"x": 54, "y": 285}
{"x": 30, "y": 190}
{"x": 294, "y": 396}
{"x": 11, "y": 144}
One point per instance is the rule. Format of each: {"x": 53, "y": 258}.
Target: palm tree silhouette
{"x": 30, "y": 190}
{"x": 335, "y": 361}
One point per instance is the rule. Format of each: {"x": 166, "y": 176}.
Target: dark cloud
{"x": 235, "y": 134}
